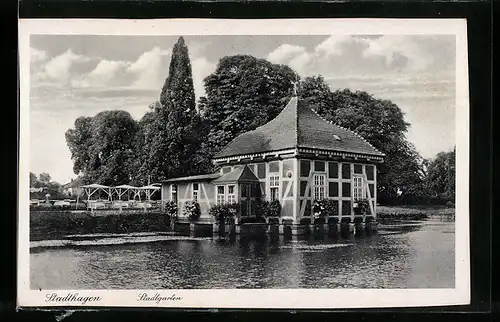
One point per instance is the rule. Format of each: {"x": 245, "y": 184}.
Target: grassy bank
{"x": 413, "y": 212}
{"x": 55, "y": 225}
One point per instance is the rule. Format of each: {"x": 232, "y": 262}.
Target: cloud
{"x": 338, "y": 45}
{"x": 415, "y": 72}
{"x": 107, "y": 73}
{"x": 391, "y": 48}
{"x": 37, "y": 56}
{"x": 59, "y": 67}
{"x": 354, "y": 55}
{"x": 285, "y": 52}
{"x": 150, "y": 69}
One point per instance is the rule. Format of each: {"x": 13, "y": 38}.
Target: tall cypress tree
{"x": 175, "y": 136}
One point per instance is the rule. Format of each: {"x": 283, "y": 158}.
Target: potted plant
{"x": 171, "y": 209}
{"x": 192, "y": 210}
{"x": 365, "y": 207}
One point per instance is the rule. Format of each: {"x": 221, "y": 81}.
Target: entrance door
{"x": 245, "y": 200}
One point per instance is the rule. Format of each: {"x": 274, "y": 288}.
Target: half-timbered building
{"x": 296, "y": 158}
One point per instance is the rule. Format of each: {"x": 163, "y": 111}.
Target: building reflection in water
{"x": 422, "y": 256}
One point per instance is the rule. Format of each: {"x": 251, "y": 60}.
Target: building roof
{"x": 96, "y": 186}
{"x": 202, "y": 177}
{"x": 297, "y": 126}
{"x": 74, "y": 183}
{"x": 240, "y": 174}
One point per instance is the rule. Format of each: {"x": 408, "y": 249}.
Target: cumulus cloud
{"x": 286, "y": 52}
{"x": 150, "y": 68}
{"x": 354, "y": 55}
{"x": 37, "y": 56}
{"x": 58, "y": 68}
{"x": 106, "y": 73}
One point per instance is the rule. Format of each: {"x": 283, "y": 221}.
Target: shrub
{"x": 274, "y": 209}
{"x": 326, "y": 207}
{"x": 224, "y": 211}
{"x": 192, "y": 210}
{"x": 268, "y": 209}
{"x": 364, "y": 206}
{"x": 171, "y": 209}
{"x": 305, "y": 221}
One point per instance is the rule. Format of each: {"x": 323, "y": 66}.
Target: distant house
{"x": 72, "y": 188}
{"x": 296, "y": 158}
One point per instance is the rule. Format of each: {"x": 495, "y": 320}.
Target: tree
{"x": 174, "y": 132}
{"x": 142, "y": 147}
{"x": 44, "y": 181}
{"x": 102, "y": 147}
{"x": 243, "y": 93}
{"x": 316, "y": 94}
{"x": 33, "y": 180}
{"x": 44, "y": 177}
{"x": 381, "y": 123}
{"x": 440, "y": 179}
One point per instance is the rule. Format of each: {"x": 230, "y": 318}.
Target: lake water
{"x": 401, "y": 255}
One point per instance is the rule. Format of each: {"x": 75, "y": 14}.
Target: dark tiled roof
{"x": 239, "y": 174}
{"x": 297, "y": 126}
{"x": 202, "y": 177}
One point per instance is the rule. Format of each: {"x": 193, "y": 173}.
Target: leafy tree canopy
{"x": 440, "y": 179}
{"x": 102, "y": 147}
{"x": 172, "y": 130}
{"x": 243, "y": 93}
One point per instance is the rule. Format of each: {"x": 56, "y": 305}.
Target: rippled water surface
{"x": 404, "y": 255}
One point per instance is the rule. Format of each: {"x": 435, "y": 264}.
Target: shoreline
{"x": 111, "y": 239}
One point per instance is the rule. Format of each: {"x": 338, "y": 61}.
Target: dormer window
{"x": 336, "y": 137}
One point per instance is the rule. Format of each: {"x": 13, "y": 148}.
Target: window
{"x": 231, "y": 194}
{"x": 358, "y": 168}
{"x": 369, "y": 172}
{"x": 333, "y": 170}
{"x": 226, "y": 170}
{"x": 274, "y": 167}
{"x": 358, "y": 187}
{"x": 346, "y": 189}
{"x": 274, "y": 187}
{"x": 319, "y": 186}
{"x": 333, "y": 189}
{"x": 261, "y": 170}
{"x": 173, "y": 192}
{"x": 196, "y": 190}
{"x": 346, "y": 171}
{"x": 220, "y": 195}
{"x": 305, "y": 167}
{"x": 319, "y": 166}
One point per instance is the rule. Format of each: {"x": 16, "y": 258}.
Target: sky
{"x": 79, "y": 75}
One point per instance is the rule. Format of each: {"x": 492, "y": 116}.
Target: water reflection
{"x": 399, "y": 256}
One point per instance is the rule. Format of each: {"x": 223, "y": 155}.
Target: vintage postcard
{"x": 205, "y": 163}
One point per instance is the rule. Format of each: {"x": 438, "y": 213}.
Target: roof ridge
{"x": 265, "y": 124}
{"x": 346, "y": 129}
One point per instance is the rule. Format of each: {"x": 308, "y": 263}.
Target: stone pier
{"x": 256, "y": 229}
